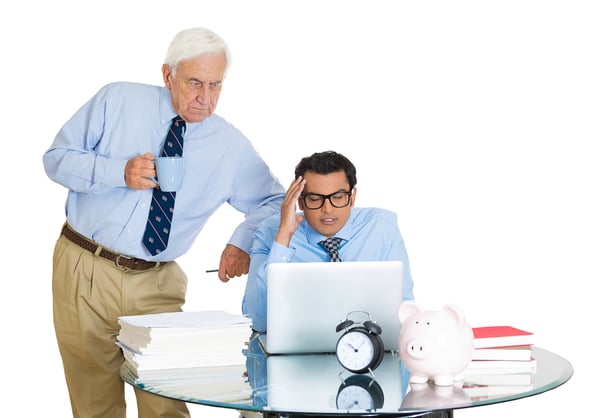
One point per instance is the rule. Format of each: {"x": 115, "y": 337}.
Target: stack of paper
{"x": 157, "y": 346}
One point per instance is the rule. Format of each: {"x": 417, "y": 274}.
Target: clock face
{"x": 355, "y": 351}
{"x": 354, "y": 397}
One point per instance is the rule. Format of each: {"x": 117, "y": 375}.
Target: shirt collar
{"x": 167, "y": 112}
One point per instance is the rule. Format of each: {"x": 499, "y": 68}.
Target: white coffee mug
{"x": 169, "y": 173}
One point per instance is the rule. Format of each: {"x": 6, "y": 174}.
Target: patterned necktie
{"x": 158, "y": 226}
{"x": 332, "y": 245}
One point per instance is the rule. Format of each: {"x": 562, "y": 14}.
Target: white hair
{"x": 194, "y": 42}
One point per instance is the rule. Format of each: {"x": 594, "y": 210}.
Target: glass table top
{"x": 316, "y": 383}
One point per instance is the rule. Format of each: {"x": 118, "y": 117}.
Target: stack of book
{"x": 199, "y": 352}
{"x": 502, "y": 362}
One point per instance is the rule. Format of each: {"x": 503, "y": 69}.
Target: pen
{"x": 212, "y": 271}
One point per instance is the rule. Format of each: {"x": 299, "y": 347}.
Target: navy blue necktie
{"x": 158, "y": 226}
{"x": 332, "y": 245}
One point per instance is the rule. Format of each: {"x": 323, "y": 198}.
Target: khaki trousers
{"x": 89, "y": 294}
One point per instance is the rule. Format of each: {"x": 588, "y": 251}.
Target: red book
{"x": 500, "y": 336}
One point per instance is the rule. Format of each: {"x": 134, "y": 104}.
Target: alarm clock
{"x": 359, "y": 391}
{"x": 360, "y": 348}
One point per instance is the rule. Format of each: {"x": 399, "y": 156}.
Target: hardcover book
{"x": 501, "y": 366}
{"x": 519, "y": 352}
{"x": 500, "y": 336}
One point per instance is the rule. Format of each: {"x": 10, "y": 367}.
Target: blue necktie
{"x": 158, "y": 226}
{"x": 331, "y": 245}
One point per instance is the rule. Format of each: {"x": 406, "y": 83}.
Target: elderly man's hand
{"x": 139, "y": 171}
{"x": 234, "y": 262}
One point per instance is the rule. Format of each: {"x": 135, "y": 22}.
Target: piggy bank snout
{"x": 416, "y": 348}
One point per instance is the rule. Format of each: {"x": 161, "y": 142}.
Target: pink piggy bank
{"x": 436, "y": 345}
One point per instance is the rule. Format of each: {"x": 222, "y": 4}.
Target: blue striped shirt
{"x": 124, "y": 120}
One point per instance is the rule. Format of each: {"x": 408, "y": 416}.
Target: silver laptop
{"x": 306, "y": 301}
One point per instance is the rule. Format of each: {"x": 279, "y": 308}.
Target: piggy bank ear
{"x": 455, "y": 313}
{"x": 407, "y": 309}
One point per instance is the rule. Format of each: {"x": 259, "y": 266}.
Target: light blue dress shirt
{"x": 124, "y": 120}
{"x": 371, "y": 234}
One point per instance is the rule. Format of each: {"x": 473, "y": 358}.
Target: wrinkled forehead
{"x": 207, "y": 67}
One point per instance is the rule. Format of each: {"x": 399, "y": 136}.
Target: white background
{"x": 477, "y": 122}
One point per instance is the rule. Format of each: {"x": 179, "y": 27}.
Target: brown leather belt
{"x": 120, "y": 260}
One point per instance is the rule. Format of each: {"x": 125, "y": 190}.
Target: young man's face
{"x": 327, "y": 219}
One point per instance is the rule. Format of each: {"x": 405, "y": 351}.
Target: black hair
{"x": 327, "y": 162}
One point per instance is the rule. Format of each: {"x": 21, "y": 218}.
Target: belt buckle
{"x": 119, "y": 256}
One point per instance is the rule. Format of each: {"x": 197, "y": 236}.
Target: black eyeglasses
{"x": 316, "y": 201}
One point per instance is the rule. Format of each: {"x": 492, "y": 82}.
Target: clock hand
{"x": 352, "y": 347}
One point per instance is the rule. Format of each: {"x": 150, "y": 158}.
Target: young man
{"x": 324, "y": 188}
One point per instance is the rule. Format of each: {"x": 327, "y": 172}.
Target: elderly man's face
{"x": 196, "y": 85}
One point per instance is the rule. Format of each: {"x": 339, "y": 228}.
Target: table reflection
{"x": 316, "y": 383}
